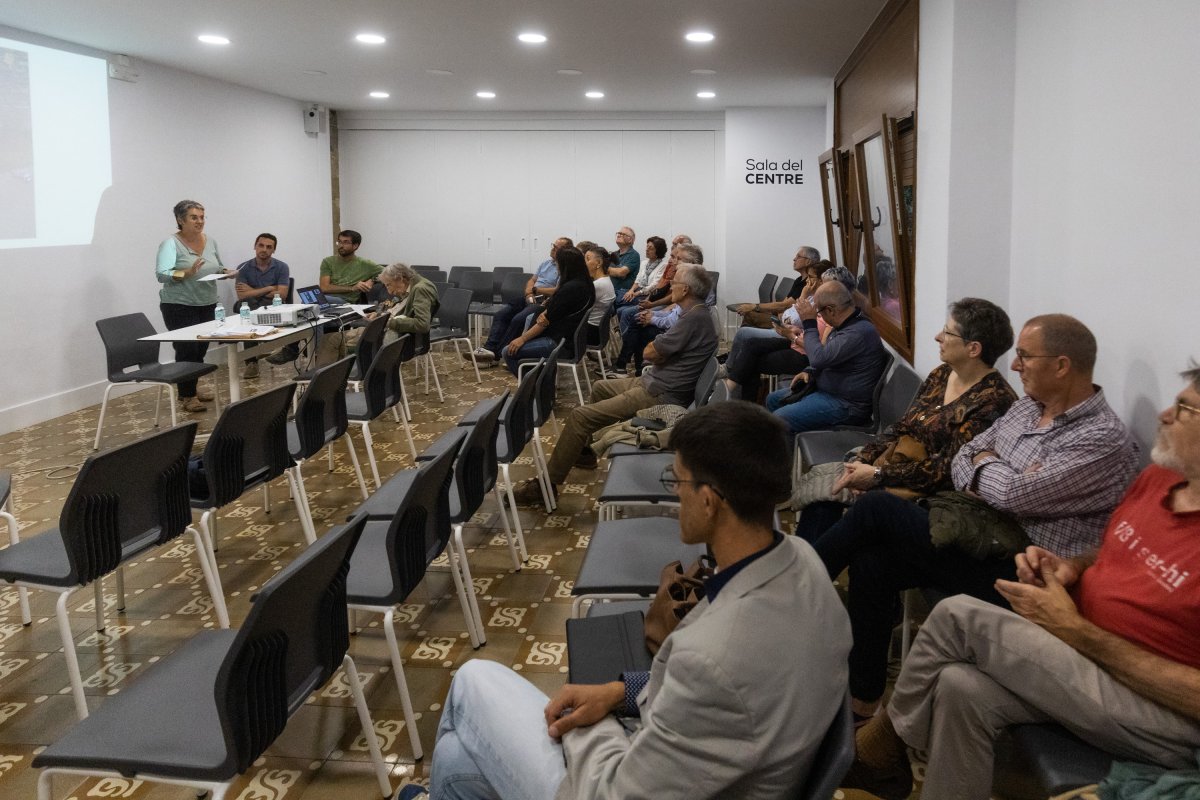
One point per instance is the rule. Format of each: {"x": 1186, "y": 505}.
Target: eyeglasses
{"x": 1021, "y": 355}
{"x": 624, "y": 235}
{"x": 948, "y": 332}
{"x": 1181, "y": 406}
{"x": 671, "y": 483}
{"x": 829, "y": 309}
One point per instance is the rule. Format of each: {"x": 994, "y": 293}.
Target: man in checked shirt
{"x": 1058, "y": 462}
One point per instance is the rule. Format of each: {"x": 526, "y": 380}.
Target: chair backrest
{"x": 705, "y": 383}
{"x": 293, "y": 640}
{"x": 547, "y": 388}
{"x": 498, "y": 275}
{"x": 453, "y": 313}
{"x": 369, "y": 342}
{"x": 121, "y": 346}
{"x": 457, "y": 272}
{"x": 478, "y": 283}
{"x": 441, "y": 287}
{"x": 126, "y": 499}
{"x": 381, "y": 384}
{"x": 606, "y": 326}
{"x": 766, "y": 288}
{"x": 321, "y": 411}
{"x": 426, "y": 267}
{"x": 897, "y": 393}
{"x": 512, "y": 286}
{"x": 435, "y": 275}
{"x": 877, "y": 393}
{"x": 833, "y": 758}
{"x": 475, "y": 470}
{"x": 715, "y": 277}
{"x": 784, "y": 288}
{"x": 517, "y": 417}
{"x": 248, "y": 445}
{"x": 420, "y": 527}
{"x": 577, "y": 344}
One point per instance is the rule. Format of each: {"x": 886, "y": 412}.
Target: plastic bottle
{"x": 219, "y": 316}
{"x": 245, "y": 314}
{"x": 278, "y": 301}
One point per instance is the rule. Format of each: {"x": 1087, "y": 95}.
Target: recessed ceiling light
{"x": 380, "y": 95}
{"x": 439, "y": 72}
{"x": 594, "y": 95}
{"x": 706, "y": 95}
{"x": 532, "y": 38}
{"x": 699, "y": 36}
{"x": 209, "y": 38}
{"x": 370, "y": 38}
{"x": 704, "y": 72}
{"x": 485, "y": 95}
{"x": 316, "y": 73}
{"x": 570, "y": 72}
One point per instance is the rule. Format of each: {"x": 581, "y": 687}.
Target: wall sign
{"x": 771, "y": 172}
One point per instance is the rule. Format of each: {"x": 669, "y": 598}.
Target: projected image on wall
{"x": 55, "y": 154}
{"x": 16, "y": 147}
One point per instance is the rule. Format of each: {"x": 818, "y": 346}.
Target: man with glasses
{"x": 629, "y": 261}
{"x": 677, "y": 358}
{"x": 1055, "y": 464}
{"x": 839, "y": 382}
{"x": 1105, "y": 642}
{"x": 716, "y": 715}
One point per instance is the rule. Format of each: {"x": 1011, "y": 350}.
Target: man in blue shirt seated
{"x": 715, "y": 716}
{"x": 259, "y": 280}
{"x": 509, "y": 322}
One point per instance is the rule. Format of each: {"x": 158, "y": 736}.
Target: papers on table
{"x": 238, "y": 332}
{"x": 216, "y": 276}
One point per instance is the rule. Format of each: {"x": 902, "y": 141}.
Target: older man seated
{"x": 1055, "y": 465}
{"x": 677, "y": 358}
{"x": 1105, "y": 643}
{"x": 716, "y": 716}
{"x": 842, "y": 371}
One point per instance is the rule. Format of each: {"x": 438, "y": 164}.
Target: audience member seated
{"x": 753, "y": 354}
{"x": 597, "y": 266}
{"x": 652, "y": 269}
{"x": 509, "y": 321}
{"x": 626, "y": 261}
{"x": 755, "y": 316}
{"x": 1055, "y": 465}
{"x": 632, "y": 341}
{"x": 677, "y": 358}
{"x": 557, "y": 322}
{"x": 1105, "y": 643}
{"x": 716, "y": 716}
{"x": 259, "y": 281}
{"x": 838, "y": 385}
{"x": 416, "y": 300}
{"x": 958, "y": 401}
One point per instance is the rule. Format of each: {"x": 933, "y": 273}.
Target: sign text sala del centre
{"x": 767, "y": 172}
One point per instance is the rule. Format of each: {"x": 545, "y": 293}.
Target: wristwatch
{"x": 756, "y": 306}
{"x": 878, "y": 476}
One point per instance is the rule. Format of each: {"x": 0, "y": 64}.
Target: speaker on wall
{"x": 314, "y": 118}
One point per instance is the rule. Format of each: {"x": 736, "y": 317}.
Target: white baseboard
{"x": 56, "y": 405}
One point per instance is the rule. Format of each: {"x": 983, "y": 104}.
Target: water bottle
{"x": 219, "y": 316}
{"x": 245, "y": 314}
{"x": 278, "y": 301}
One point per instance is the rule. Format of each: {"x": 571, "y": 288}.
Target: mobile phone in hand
{"x": 776, "y": 321}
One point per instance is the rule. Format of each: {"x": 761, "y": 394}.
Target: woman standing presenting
{"x": 184, "y": 299}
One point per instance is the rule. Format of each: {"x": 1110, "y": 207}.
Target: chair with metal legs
{"x": 14, "y": 537}
{"x": 205, "y": 713}
{"x": 381, "y": 391}
{"x": 454, "y": 324}
{"x": 125, "y": 501}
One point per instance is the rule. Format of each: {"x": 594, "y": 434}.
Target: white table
{"x": 235, "y": 352}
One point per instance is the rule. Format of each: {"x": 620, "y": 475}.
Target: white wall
{"x": 1099, "y": 158}
{"x": 766, "y": 223}
{"x": 242, "y": 153}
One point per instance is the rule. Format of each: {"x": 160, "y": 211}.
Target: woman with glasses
{"x": 959, "y": 399}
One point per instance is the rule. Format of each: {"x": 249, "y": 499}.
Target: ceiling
{"x": 766, "y": 52}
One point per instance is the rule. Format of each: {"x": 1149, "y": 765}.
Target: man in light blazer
{"x": 737, "y": 699}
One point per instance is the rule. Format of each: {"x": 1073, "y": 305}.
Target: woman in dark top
{"x": 961, "y": 398}
{"x": 574, "y": 296}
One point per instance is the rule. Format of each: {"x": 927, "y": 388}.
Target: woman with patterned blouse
{"x": 959, "y": 399}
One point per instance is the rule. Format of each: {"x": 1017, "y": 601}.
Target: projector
{"x": 285, "y": 315}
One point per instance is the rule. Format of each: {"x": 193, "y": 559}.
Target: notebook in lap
{"x": 601, "y": 648}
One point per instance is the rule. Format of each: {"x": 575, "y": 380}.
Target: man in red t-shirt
{"x": 1107, "y": 644}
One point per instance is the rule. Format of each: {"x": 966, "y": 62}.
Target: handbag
{"x": 800, "y": 392}
{"x": 679, "y": 590}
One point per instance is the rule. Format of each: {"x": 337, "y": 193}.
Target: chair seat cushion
{"x": 440, "y": 334}
{"x": 625, "y": 449}
{"x": 175, "y": 372}
{"x": 627, "y": 556}
{"x": 371, "y": 581}
{"x": 38, "y": 559}
{"x": 487, "y": 309}
{"x": 164, "y": 722}
{"x": 1044, "y": 760}
{"x": 636, "y": 478}
{"x": 825, "y": 447}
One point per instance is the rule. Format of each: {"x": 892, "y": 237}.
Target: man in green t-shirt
{"x": 345, "y": 275}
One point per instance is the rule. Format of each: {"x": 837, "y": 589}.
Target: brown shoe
{"x": 192, "y": 405}
{"x": 889, "y": 783}
{"x": 203, "y": 395}
{"x": 587, "y": 459}
{"x": 529, "y": 493}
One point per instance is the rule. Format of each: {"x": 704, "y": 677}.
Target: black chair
{"x": 457, "y": 272}
{"x": 571, "y": 356}
{"x": 605, "y": 335}
{"x": 433, "y": 273}
{"x": 206, "y": 712}
{"x": 498, "y": 275}
{"x": 625, "y": 557}
{"x": 834, "y": 757}
{"x": 784, "y": 288}
{"x": 454, "y": 324}
{"x": 480, "y": 285}
{"x": 14, "y": 537}
{"x": 369, "y": 342}
{"x": 393, "y": 555}
{"x": 380, "y": 391}
{"x": 543, "y": 412}
{"x": 766, "y": 287}
{"x": 1036, "y": 761}
{"x": 320, "y": 420}
{"x": 125, "y": 501}
{"x": 133, "y": 361}
{"x": 417, "y": 350}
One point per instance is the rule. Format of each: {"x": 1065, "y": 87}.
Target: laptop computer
{"x": 329, "y": 308}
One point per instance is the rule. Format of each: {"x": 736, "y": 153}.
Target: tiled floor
{"x": 322, "y": 753}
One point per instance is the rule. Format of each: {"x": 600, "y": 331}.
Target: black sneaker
{"x": 587, "y": 459}
{"x": 286, "y": 355}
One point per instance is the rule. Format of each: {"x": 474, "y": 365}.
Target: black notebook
{"x": 601, "y": 648}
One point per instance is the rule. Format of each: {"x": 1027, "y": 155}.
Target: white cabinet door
{"x": 457, "y": 233}
{"x": 693, "y": 192}
{"x": 505, "y": 193}
{"x": 552, "y": 192}
{"x": 598, "y": 186}
{"x": 646, "y": 184}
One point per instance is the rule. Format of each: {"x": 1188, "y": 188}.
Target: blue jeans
{"x": 625, "y": 315}
{"x": 534, "y": 348}
{"x": 819, "y": 411}
{"x": 492, "y": 741}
